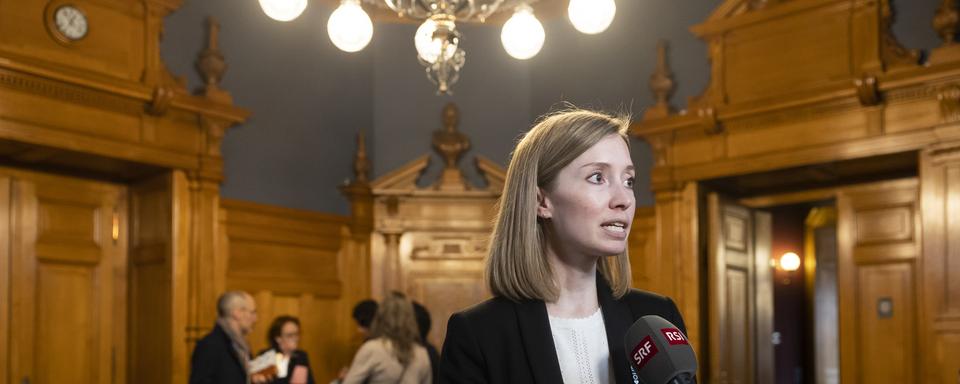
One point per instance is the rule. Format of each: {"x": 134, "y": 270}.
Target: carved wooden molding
{"x": 868, "y": 92}
{"x": 709, "y": 122}
{"x": 944, "y": 153}
{"x": 893, "y": 53}
{"x": 68, "y": 92}
{"x": 160, "y": 103}
{"x": 949, "y": 97}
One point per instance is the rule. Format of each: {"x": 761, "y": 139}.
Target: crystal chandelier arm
{"x": 485, "y": 10}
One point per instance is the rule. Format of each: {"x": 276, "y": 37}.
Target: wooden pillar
{"x": 678, "y": 248}
{"x": 940, "y": 271}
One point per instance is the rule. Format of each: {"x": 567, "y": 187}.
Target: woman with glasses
{"x": 293, "y": 366}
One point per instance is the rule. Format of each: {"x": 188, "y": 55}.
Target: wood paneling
{"x": 430, "y": 242}
{"x": 152, "y": 333}
{"x": 844, "y": 92}
{"x": 940, "y": 204}
{"x": 105, "y": 106}
{"x": 5, "y": 264}
{"x": 642, "y": 246}
{"x": 69, "y": 288}
{"x": 879, "y": 336}
{"x": 887, "y": 343}
{"x": 302, "y": 264}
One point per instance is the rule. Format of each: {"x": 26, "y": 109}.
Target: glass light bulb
{"x": 283, "y": 10}
{"x": 591, "y": 16}
{"x": 349, "y": 27}
{"x": 790, "y": 261}
{"x": 429, "y": 43}
{"x": 522, "y": 35}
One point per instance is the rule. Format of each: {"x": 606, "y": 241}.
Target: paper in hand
{"x": 265, "y": 364}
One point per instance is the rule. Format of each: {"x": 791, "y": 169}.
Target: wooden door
{"x": 68, "y": 286}
{"x": 740, "y": 290}
{"x": 878, "y": 230}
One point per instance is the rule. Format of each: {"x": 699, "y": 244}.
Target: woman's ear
{"x": 544, "y": 207}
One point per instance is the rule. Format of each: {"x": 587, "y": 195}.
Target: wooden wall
{"x": 939, "y": 307}
{"x": 642, "y": 249}
{"x": 302, "y": 264}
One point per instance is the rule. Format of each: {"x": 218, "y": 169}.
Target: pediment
{"x": 403, "y": 178}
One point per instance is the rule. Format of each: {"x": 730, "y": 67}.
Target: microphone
{"x": 659, "y": 353}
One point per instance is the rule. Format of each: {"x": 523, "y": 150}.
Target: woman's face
{"x": 590, "y": 205}
{"x": 289, "y": 337}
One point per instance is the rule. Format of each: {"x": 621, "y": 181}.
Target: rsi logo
{"x": 674, "y": 336}
{"x": 643, "y": 352}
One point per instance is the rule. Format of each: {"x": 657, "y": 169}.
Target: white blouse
{"x": 582, "y": 349}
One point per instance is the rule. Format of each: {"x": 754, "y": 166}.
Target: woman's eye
{"x": 595, "y": 178}
{"x": 628, "y": 182}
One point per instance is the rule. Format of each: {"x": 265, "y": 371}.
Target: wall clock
{"x": 67, "y": 22}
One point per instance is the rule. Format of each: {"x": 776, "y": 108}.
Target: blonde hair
{"x": 517, "y": 266}
{"x": 395, "y": 323}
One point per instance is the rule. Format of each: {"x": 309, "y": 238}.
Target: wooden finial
{"x": 451, "y": 144}
{"x": 361, "y": 165}
{"x": 945, "y": 21}
{"x": 360, "y": 193}
{"x": 661, "y": 83}
{"x": 211, "y": 64}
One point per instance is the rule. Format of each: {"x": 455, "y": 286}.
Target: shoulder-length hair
{"x": 396, "y": 323}
{"x": 276, "y": 329}
{"x": 517, "y": 266}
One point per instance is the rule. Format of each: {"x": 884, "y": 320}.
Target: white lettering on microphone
{"x": 643, "y": 352}
{"x": 674, "y": 336}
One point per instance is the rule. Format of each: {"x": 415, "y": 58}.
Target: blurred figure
{"x": 363, "y": 314}
{"x": 293, "y": 366}
{"x": 222, "y": 356}
{"x": 423, "y": 324}
{"x": 393, "y": 353}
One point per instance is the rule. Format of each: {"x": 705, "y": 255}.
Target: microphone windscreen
{"x": 659, "y": 352}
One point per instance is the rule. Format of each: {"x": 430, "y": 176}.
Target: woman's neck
{"x": 576, "y": 278}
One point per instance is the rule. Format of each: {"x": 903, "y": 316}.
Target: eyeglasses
{"x": 293, "y": 335}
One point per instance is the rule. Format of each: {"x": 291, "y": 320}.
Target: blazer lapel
{"x": 617, "y": 318}
{"x": 538, "y": 341}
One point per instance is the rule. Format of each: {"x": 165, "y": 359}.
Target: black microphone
{"x": 659, "y": 353}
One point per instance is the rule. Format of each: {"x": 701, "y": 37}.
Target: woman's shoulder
{"x": 493, "y": 309}
{"x": 643, "y": 303}
{"x": 374, "y": 345}
{"x": 640, "y": 297}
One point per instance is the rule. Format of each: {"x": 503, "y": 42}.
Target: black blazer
{"x": 215, "y": 362}
{"x": 502, "y": 341}
{"x": 298, "y": 357}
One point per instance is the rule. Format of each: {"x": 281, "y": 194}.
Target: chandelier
{"x": 437, "y": 40}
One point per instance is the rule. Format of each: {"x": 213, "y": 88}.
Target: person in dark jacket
{"x": 293, "y": 365}
{"x": 423, "y": 323}
{"x": 222, "y": 356}
{"x": 557, "y": 265}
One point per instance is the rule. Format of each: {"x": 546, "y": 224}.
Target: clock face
{"x": 70, "y": 22}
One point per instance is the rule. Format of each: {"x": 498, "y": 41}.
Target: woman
{"x": 393, "y": 353}
{"x": 557, "y": 266}
{"x": 293, "y": 366}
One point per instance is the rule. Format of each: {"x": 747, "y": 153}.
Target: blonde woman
{"x": 558, "y": 267}
{"x": 393, "y": 353}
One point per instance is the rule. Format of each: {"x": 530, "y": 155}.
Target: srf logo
{"x": 643, "y": 352}
{"x": 674, "y": 336}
